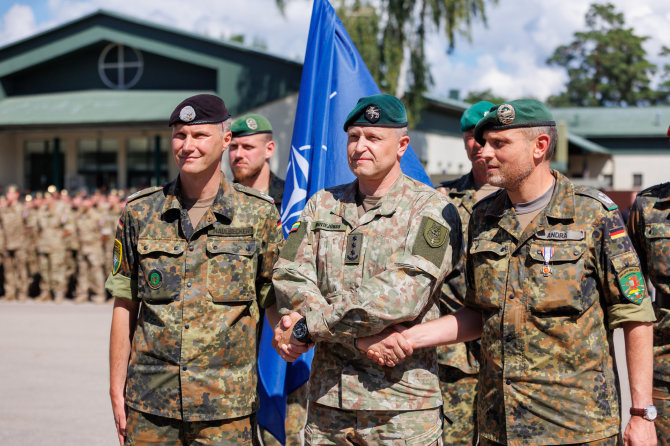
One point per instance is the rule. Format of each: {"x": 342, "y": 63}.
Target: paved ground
{"x": 53, "y": 364}
{"x": 54, "y": 376}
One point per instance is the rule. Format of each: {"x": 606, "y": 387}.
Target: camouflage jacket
{"x": 12, "y": 226}
{"x": 463, "y": 356}
{"x": 352, "y": 277}
{"x": 649, "y": 228}
{"x": 548, "y": 295}
{"x": 89, "y": 225}
{"x": 194, "y": 352}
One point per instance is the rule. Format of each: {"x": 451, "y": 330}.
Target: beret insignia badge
{"x": 252, "y": 124}
{"x": 373, "y": 113}
{"x": 187, "y": 114}
{"x": 506, "y": 114}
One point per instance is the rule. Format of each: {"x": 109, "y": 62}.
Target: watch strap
{"x": 638, "y": 412}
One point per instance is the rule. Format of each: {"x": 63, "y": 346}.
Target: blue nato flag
{"x": 334, "y": 77}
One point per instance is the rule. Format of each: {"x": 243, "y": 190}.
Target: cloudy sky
{"x": 508, "y": 56}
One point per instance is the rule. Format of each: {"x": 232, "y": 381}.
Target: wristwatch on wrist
{"x": 300, "y": 331}
{"x": 648, "y": 413}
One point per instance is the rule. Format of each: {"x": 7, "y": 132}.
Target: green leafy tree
{"x": 391, "y": 37}
{"x": 606, "y": 64}
{"x": 664, "y": 87}
{"x": 483, "y": 95}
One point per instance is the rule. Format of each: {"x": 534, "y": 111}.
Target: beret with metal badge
{"x": 380, "y": 110}
{"x": 200, "y": 109}
{"x": 512, "y": 115}
{"x": 251, "y": 124}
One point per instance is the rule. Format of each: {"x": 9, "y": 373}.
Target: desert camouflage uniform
{"x": 354, "y": 276}
{"x": 458, "y": 363}
{"x": 547, "y": 373}
{"x": 193, "y": 354}
{"x": 71, "y": 245}
{"x": 649, "y": 228}
{"x": 91, "y": 277}
{"x": 14, "y": 254}
{"x": 52, "y": 223}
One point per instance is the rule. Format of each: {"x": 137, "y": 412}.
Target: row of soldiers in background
{"x": 56, "y": 245}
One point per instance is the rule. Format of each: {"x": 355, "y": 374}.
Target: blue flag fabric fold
{"x": 334, "y": 77}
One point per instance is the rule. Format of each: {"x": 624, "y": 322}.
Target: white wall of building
{"x": 441, "y": 154}
{"x": 654, "y": 168}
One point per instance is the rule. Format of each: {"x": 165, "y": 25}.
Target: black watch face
{"x": 300, "y": 330}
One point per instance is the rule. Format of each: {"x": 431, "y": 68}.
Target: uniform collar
{"x": 222, "y": 205}
{"x": 387, "y": 205}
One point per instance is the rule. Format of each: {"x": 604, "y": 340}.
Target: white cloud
{"x": 17, "y": 23}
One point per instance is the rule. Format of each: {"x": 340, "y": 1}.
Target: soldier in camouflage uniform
{"x": 53, "y": 223}
{"x": 249, "y": 155}
{"x": 550, "y": 272}
{"x": 362, "y": 257}
{"x": 459, "y": 363}
{"x": 649, "y": 228}
{"x": 89, "y": 225}
{"x": 198, "y": 254}
{"x": 14, "y": 255}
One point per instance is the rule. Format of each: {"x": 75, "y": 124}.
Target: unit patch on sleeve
{"x": 632, "y": 284}
{"x": 117, "y": 256}
{"x": 430, "y": 241}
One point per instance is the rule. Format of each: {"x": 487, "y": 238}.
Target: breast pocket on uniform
{"x": 489, "y": 262}
{"x": 231, "y": 269}
{"x": 658, "y": 238}
{"x": 160, "y": 269}
{"x": 556, "y": 274}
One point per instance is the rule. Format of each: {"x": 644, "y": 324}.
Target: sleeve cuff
{"x": 121, "y": 286}
{"x": 620, "y": 313}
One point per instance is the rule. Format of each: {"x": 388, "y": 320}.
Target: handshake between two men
{"x": 386, "y": 348}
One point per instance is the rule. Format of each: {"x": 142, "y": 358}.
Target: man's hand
{"x": 386, "y": 348}
{"x": 288, "y": 347}
{"x": 120, "y": 415}
{"x": 639, "y": 432}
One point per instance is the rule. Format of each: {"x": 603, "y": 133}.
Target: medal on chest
{"x": 547, "y": 254}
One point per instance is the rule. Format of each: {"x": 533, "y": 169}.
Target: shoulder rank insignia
{"x": 632, "y": 284}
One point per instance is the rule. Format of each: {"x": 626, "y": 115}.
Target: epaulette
{"x": 653, "y": 189}
{"x": 596, "y": 195}
{"x": 489, "y": 197}
{"x": 144, "y": 193}
{"x": 254, "y": 192}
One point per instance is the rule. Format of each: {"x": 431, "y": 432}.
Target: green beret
{"x": 513, "y": 115}
{"x": 472, "y": 115}
{"x": 380, "y": 110}
{"x": 250, "y": 125}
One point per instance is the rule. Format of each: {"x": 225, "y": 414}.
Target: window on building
{"x": 608, "y": 180}
{"x": 40, "y": 169}
{"x": 144, "y": 168}
{"x": 637, "y": 180}
{"x": 96, "y": 163}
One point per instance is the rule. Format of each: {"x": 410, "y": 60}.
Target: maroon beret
{"x": 200, "y": 109}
